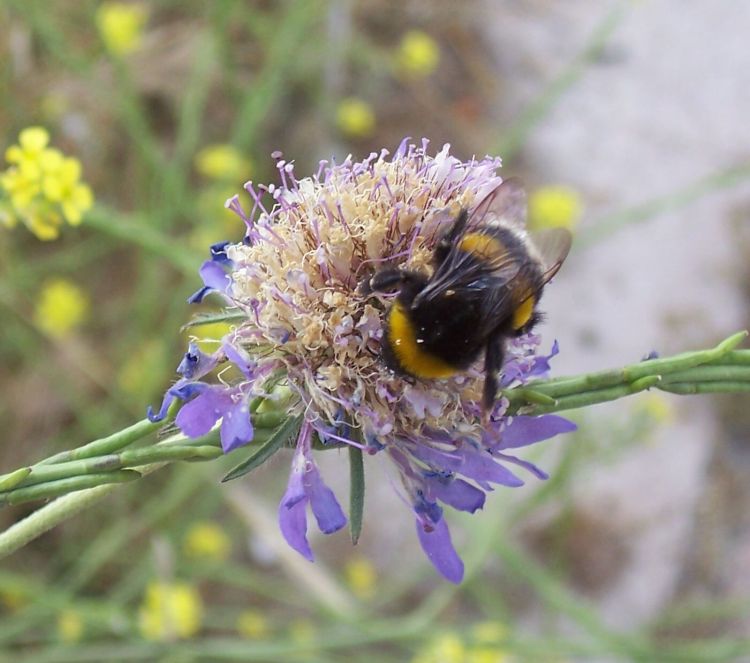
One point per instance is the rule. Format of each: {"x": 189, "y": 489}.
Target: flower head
{"x": 253, "y": 624}
{"x": 418, "y": 54}
{"x": 43, "y": 187}
{"x": 221, "y": 162}
{"x": 554, "y": 206}
{"x": 355, "y": 118}
{"x": 170, "y": 611}
{"x": 120, "y": 25}
{"x": 361, "y": 577}
{"x": 206, "y": 540}
{"x": 295, "y": 278}
{"x": 70, "y": 626}
{"x": 62, "y": 307}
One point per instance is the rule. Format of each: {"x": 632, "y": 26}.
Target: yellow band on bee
{"x": 484, "y": 247}
{"x": 523, "y": 312}
{"x": 411, "y": 357}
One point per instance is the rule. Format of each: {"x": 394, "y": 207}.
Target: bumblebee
{"x": 487, "y": 279}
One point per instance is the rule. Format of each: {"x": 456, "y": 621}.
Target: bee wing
{"x": 506, "y": 203}
{"x": 553, "y": 246}
{"x": 460, "y": 272}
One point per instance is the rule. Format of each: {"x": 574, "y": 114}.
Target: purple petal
{"x": 439, "y": 549}
{"x": 293, "y": 525}
{"x": 457, "y": 493}
{"x": 240, "y": 359}
{"x": 198, "y": 295}
{"x": 236, "y": 427}
{"x": 219, "y": 253}
{"x": 195, "y": 364}
{"x": 525, "y": 430}
{"x": 541, "y": 366}
{"x": 155, "y": 417}
{"x": 214, "y": 278}
{"x": 199, "y": 416}
{"x": 469, "y": 461}
{"x": 540, "y": 473}
{"x": 325, "y": 506}
{"x": 293, "y": 508}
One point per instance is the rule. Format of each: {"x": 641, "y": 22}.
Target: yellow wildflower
{"x": 486, "y": 654}
{"x": 656, "y": 407}
{"x": 170, "y": 611}
{"x": 222, "y": 162}
{"x": 445, "y": 648}
{"x": 418, "y": 54}
{"x": 62, "y": 307}
{"x": 489, "y": 632}
{"x": 361, "y": 577}
{"x": 69, "y": 626}
{"x": 252, "y": 624}
{"x": 206, "y": 540}
{"x": 355, "y": 118}
{"x": 60, "y": 185}
{"x": 120, "y": 25}
{"x": 42, "y": 186}
{"x": 554, "y": 206}
{"x": 487, "y": 638}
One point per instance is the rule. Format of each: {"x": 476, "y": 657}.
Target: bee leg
{"x": 493, "y": 362}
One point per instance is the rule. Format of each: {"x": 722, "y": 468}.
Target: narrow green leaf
{"x": 262, "y": 453}
{"x": 356, "y": 492}
{"x": 212, "y": 318}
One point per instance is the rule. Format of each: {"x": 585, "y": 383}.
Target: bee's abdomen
{"x": 405, "y": 352}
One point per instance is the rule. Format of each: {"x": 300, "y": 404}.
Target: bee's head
{"x": 407, "y": 284}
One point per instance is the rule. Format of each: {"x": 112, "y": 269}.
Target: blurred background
{"x": 628, "y": 123}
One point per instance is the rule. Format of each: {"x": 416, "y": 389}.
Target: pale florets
{"x": 298, "y": 280}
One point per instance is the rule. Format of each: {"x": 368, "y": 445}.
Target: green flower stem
{"x": 64, "y": 486}
{"x": 686, "y": 388}
{"x": 720, "y": 369}
{"x": 129, "y": 458}
{"x": 12, "y": 479}
{"x": 106, "y": 445}
{"x": 136, "y": 230}
{"x": 93, "y": 469}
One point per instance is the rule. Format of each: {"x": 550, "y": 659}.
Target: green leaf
{"x": 356, "y": 492}
{"x": 211, "y": 318}
{"x": 280, "y": 437}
